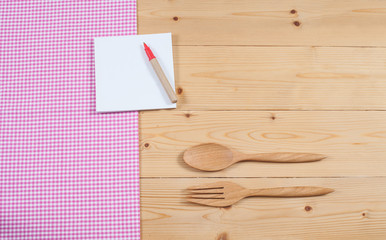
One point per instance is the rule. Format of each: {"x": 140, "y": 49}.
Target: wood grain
{"x": 354, "y": 141}
{"x": 255, "y": 59}
{"x": 246, "y": 22}
{"x": 278, "y": 78}
{"x": 356, "y": 210}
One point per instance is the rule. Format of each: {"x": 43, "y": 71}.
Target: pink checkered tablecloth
{"x": 66, "y": 172}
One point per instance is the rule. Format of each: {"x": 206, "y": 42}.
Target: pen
{"x": 161, "y": 75}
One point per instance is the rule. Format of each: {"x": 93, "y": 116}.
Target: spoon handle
{"x": 289, "y": 192}
{"x": 282, "y": 157}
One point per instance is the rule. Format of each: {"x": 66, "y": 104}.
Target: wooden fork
{"x": 223, "y": 194}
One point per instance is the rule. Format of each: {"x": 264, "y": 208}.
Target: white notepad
{"x": 125, "y": 79}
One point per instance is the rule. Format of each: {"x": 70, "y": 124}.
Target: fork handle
{"x": 282, "y": 157}
{"x": 290, "y": 192}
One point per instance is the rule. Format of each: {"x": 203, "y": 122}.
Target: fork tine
{"x": 216, "y": 185}
{"x": 206, "y": 196}
{"x": 208, "y": 190}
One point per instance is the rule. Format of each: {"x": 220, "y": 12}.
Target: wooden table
{"x": 268, "y": 76}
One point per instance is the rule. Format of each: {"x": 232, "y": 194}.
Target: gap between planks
{"x": 273, "y": 46}
{"x": 261, "y": 177}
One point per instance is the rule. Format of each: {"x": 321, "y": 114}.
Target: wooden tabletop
{"x": 270, "y": 76}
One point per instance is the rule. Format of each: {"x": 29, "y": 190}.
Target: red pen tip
{"x": 149, "y": 53}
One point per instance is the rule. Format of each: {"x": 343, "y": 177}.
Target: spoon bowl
{"x": 209, "y": 157}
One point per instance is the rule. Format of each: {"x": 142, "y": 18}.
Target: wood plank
{"x": 248, "y": 22}
{"x": 354, "y": 141}
{"x": 278, "y": 78}
{"x": 356, "y": 210}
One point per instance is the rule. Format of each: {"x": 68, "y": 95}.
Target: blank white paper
{"x": 125, "y": 79}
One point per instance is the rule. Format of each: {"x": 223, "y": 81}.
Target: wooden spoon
{"x": 215, "y": 157}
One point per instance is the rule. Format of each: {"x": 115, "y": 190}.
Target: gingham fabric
{"x": 66, "y": 172}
